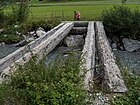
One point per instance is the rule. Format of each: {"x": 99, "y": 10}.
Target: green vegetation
{"x": 122, "y": 21}
{"x": 132, "y": 97}
{"x": 10, "y": 38}
{"x": 58, "y": 83}
{"x": 88, "y": 12}
{"x": 20, "y": 12}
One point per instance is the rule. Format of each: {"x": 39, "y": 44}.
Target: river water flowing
{"x": 130, "y": 60}
{"x": 6, "y": 49}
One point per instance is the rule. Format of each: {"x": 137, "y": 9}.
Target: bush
{"x": 58, "y": 83}
{"x": 132, "y": 97}
{"x": 32, "y": 25}
{"x": 3, "y": 19}
{"x": 9, "y": 35}
{"x": 10, "y": 38}
{"x": 20, "y": 12}
{"x": 54, "y": 21}
{"x": 122, "y": 21}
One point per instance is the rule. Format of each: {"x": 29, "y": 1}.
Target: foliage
{"x": 3, "y": 3}
{"x": 58, "y": 83}
{"x": 20, "y": 12}
{"x": 10, "y": 38}
{"x": 9, "y": 35}
{"x": 3, "y": 18}
{"x": 122, "y": 21}
{"x": 132, "y": 97}
{"x": 32, "y": 25}
{"x": 54, "y": 21}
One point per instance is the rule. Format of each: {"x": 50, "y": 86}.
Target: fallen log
{"x": 112, "y": 79}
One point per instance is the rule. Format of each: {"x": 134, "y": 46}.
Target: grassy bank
{"x": 89, "y": 12}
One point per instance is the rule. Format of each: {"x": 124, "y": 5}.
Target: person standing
{"x": 78, "y": 15}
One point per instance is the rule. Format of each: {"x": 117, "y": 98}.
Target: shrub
{"x": 132, "y": 97}
{"x": 10, "y": 38}
{"x": 58, "y": 83}
{"x": 54, "y": 21}
{"x": 9, "y": 35}
{"x": 20, "y": 12}
{"x": 3, "y": 19}
{"x": 32, "y": 25}
{"x": 46, "y": 24}
{"x": 122, "y": 21}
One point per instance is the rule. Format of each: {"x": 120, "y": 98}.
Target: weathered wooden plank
{"x": 8, "y": 60}
{"x": 112, "y": 80}
{"x": 40, "y": 50}
{"x": 88, "y": 56}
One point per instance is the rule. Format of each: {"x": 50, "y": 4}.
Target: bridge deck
{"x": 112, "y": 80}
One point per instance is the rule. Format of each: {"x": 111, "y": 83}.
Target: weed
{"x": 58, "y": 83}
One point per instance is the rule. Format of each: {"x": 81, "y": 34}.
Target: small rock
{"x": 30, "y": 39}
{"x": 32, "y": 33}
{"x": 130, "y": 44}
{"x": 16, "y": 26}
{"x": 18, "y": 33}
{"x": 74, "y": 41}
{"x": 122, "y": 48}
{"x": 1, "y": 31}
{"x": 5, "y": 35}
{"x": 100, "y": 99}
{"x": 2, "y": 43}
{"x": 114, "y": 46}
{"x": 40, "y": 32}
{"x": 24, "y": 36}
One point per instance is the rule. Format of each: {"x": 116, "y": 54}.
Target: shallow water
{"x": 130, "y": 60}
{"x": 6, "y": 50}
{"x": 61, "y": 53}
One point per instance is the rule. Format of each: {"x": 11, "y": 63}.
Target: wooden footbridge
{"x": 95, "y": 41}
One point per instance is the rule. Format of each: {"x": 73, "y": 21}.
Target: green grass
{"x": 88, "y": 12}
{"x": 132, "y": 96}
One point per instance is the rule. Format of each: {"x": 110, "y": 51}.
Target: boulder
{"x": 40, "y": 32}
{"x": 130, "y": 44}
{"x": 74, "y": 41}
